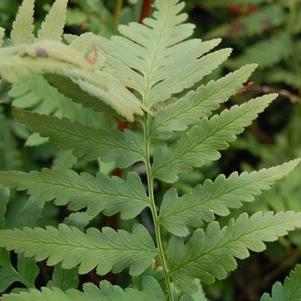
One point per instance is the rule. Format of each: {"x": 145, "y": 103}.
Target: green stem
{"x": 117, "y": 13}
{"x": 150, "y": 184}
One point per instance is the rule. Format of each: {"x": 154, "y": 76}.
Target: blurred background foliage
{"x": 267, "y": 32}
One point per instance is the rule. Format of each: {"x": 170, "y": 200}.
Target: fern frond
{"x": 107, "y": 250}
{"x": 157, "y": 49}
{"x": 53, "y": 26}
{"x": 87, "y": 143}
{"x": 116, "y": 96}
{"x": 70, "y": 89}
{"x": 211, "y": 254}
{"x": 56, "y": 58}
{"x": 36, "y": 94}
{"x": 189, "y": 109}
{"x": 22, "y": 32}
{"x": 289, "y": 291}
{"x": 79, "y": 191}
{"x": 151, "y": 291}
{"x": 202, "y": 142}
{"x": 44, "y": 57}
{"x": 178, "y": 213}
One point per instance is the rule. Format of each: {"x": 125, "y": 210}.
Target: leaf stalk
{"x": 153, "y": 207}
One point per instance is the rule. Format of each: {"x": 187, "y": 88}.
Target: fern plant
{"x": 154, "y": 74}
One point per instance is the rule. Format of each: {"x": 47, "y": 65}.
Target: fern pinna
{"x": 151, "y": 73}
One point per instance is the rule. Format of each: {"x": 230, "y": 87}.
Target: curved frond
{"x": 45, "y": 57}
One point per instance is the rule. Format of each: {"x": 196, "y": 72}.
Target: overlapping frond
{"x": 87, "y": 143}
{"x": 71, "y": 90}
{"x": 211, "y": 254}
{"x": 158, "y": 48}
{"x": 178, "y": 213}
{"x": 201, "y": 144}
{"x": 109, "y": 195}
{"x": 108, "y": 250}
{"x": 49, "y": 55}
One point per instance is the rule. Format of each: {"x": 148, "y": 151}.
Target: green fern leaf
{"x": 107, "y": 250}
{"x": 22, "y": 32}
{"x": 97, "y": 194}
{"x": 52, "y": 57}
{"x": 53, "y": 26}
{"x": 189, "y": 109}
{"x": 202, "y": 142}
{"x": 177, "y": 213}
{"x": 211, "y": 254}
{"x": 86, "y": 142}
{"x": 290, "y": 291}
{"x": 151, "y": 291}
{"x": 46, "y": 57}
{"x": 156, "y": 49}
